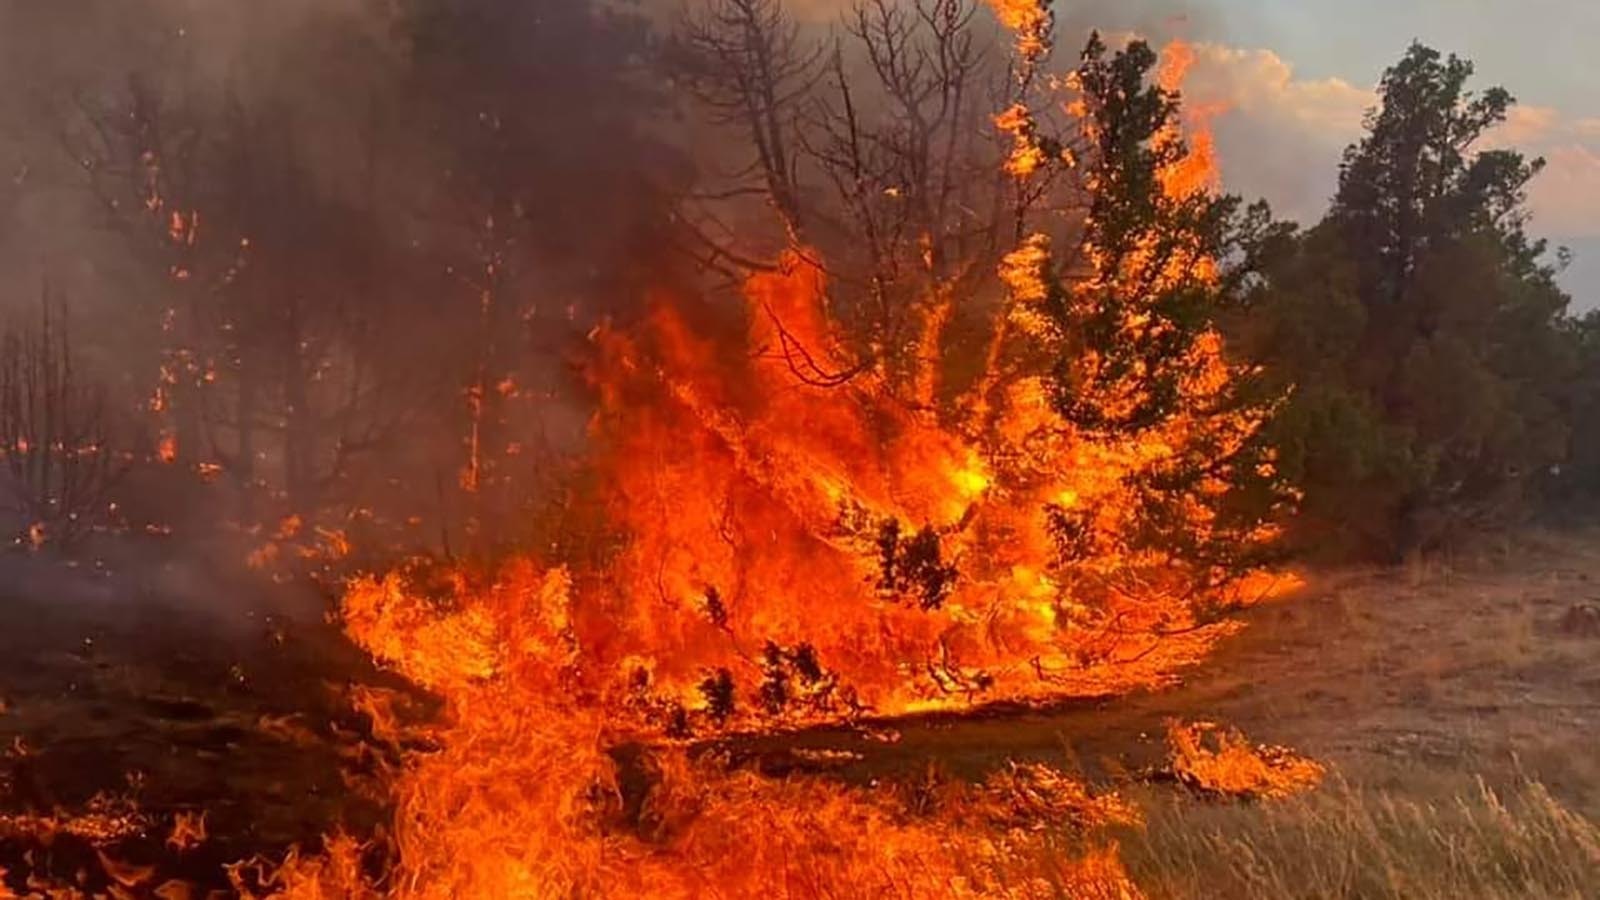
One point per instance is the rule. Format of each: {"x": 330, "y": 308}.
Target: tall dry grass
{"x": 1347, "y": 842}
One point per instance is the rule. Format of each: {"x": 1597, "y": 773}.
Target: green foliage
{"x": 1579, "y": 478}
{"x": 1418, "y": 325}
{"x": 1150, "y": 246}
{"x": 1159, "y": 268}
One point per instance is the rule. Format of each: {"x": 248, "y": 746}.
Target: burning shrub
{"x": 717, "y": 689}
{"x": 913, "y": 566}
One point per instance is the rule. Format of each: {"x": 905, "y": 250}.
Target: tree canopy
{"x": 1418, "y": 327}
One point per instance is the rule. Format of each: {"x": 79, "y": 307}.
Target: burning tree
{"x": 808, "y": 526}
{"x": 1070, "y": 518}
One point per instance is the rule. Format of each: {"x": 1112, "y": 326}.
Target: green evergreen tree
{"x": 1419, "y": 324}
{"x": 1136, "y": 314}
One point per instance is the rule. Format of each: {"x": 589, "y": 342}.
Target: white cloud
{"x": 1280, "y": 136}
{"x": 1566, "y": 196}
{"x": 1259, "y": 82}
{"x": 1527, "y": 125}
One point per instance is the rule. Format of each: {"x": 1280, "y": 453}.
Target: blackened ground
{"x": 182, "y": 692}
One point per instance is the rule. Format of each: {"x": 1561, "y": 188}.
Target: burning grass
{"x": 1220, "y": 761}
{"x": 794, "y": 543}
{"x": 526, "y": 797}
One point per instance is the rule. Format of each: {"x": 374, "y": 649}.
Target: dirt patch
{"x": 1582, "y": 620}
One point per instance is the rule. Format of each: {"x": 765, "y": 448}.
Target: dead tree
{"x": 300, "y": 323}
{"x": 747, "y": 62}
{"x": 903, "y": 147}
{"x": 892, "y": 168}
{"x": 140, "y": 151}
{"x": 55, "y": 433}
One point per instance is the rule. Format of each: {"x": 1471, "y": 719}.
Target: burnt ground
{"x": 187, "y": 692}
{"x": 167, "y": 690}
{"x": 1484, "y": 664}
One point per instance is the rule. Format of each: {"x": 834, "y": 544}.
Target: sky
{"x": 1288, "y": 82}
{"x": 1293, "y": 78}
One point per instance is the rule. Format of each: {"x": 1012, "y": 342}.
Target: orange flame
{"x": 787, "y": 544}
{"x": 1200, "y": 171}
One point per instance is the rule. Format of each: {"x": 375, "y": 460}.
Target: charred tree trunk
{"x": 54, "y": 433}
{"x": 248, "y": 410}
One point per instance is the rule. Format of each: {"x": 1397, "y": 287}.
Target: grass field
{"x": 1455, "y": 704}
{"x": 1434, "y": 843}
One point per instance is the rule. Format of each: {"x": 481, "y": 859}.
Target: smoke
{"x": 1156, "y": 20}
{"x": 333, "y": 65}
{"x": 315, "y": 228}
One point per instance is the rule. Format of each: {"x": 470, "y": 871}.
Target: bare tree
{"x": 140, "y": 151}
{"x": 55, "y": 433}
{"x": 747, "y": 62}
{"x": 903, "y": 156}
{"x": 893, "y": 168}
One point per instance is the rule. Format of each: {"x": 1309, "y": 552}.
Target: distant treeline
{"x": 1435, "y": 381}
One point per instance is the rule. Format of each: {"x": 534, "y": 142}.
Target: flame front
{"x": 787, "y": 542}
{"x": 760, "y": 509}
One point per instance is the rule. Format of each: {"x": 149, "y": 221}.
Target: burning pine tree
{"x": 921, "y": 469}
{"x": 1067, "y": 522}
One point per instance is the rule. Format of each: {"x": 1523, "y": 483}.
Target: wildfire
{"x": 1200, "y": 170}
{"x": 792, "y": 544}
{"x": 904, "y": 559}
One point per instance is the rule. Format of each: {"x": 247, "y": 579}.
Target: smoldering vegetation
{"x": 323, "y": 260}
{"x": 331, "y": 264}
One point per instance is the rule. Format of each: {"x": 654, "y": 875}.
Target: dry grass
{"x": 1346, "y": 842}
{"x": 1458, "y": 711}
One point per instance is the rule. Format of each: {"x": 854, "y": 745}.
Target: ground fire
{"x": 797, "y": 549}
{"x": 877, "y": 497}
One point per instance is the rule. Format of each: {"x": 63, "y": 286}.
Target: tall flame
{"x": 1200, "y": 171}
{"x": 788, "y": 543}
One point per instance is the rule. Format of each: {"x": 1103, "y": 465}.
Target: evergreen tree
{"x": 1419, "y": 323}
{"x": 1134, "y": 320}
